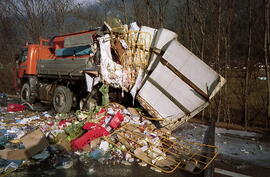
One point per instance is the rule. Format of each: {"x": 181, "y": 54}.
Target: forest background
{"x": 232, "y": 36}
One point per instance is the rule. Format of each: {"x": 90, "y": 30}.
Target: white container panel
{"x": 163, "y": 105}
{"x": 190, "y": 66}
{"x": 164, "y": 36}
{"x": 177, "y": 88}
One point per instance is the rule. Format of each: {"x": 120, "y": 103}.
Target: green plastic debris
{"x": 82, "y": 115}
{"x": 74, "y": 131}
{"x": 104, "y": 89}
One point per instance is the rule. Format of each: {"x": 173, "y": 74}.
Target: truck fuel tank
{"x": 46, "y": 91}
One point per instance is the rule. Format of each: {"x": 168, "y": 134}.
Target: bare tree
{"x": 31, "y": 14}
{"x": 218, "y": 56}
{"x": 246, "y": 93}
{"x": 124, "y": 5}
{"x": 8, "y": 35}
{"x": 116, "y": 8}
{"x": 162, "y": 7}
{"x": 91, "y": 14}
{"x": 107, "y": 5}
{"x": 60, "y": 9}
{"x": 138, "y": 11}
{"x": 188, "y": 24}
{"x": 266, "y": 53}
{"x": 228, "y": 30}
{"x": 147, "y": 3}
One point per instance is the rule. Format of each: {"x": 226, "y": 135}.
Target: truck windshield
{"x": 23, "y": 56}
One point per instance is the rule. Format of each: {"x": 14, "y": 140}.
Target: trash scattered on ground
{"x": 111, "y": 135}
{"x": 244, "y": 151}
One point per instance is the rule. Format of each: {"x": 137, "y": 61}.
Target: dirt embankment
{"x": 231, "y": 108}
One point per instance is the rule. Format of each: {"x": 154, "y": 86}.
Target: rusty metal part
{"x": 164, "y": 151}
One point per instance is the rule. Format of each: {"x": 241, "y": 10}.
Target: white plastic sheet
{"x": 134, "y": 26}
{"x": 111, "y": 72}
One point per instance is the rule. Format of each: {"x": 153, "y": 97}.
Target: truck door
{"x": 22, "y": 62}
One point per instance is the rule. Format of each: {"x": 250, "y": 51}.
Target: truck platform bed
{"x": 63, "y": 67}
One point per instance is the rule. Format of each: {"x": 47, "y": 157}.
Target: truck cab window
{"x": 23, "y": 56}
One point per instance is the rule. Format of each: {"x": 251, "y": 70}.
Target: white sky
{"x": 85, "y": 1}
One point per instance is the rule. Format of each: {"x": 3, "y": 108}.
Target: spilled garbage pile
{"x": 168, "y": 81}
{"x": 110, "y": 135}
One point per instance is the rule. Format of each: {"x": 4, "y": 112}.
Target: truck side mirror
{"x": 17, "y": 56}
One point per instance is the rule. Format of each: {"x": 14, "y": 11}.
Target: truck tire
{"x": 26, "y": 95}
{"x": 62, "y": 99}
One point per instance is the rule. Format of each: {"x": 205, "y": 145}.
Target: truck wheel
{"x": 62, "y": 99}
{"x": 25, "y": 94}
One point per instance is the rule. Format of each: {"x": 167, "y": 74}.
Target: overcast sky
{"x": 86, "y": 0}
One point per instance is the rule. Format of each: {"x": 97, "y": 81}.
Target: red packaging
{"x": 63, "y": 123}
{"x": 101, "y": 111}
{"x": 15, "y": 107}
{"x": 89, "y": 126}
{"x": 116, "y": 120}
{"x": 92, "y": 134}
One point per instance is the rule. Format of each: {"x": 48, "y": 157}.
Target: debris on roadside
{"x": 160, "y": 149}
{"x": 112, "y": 135}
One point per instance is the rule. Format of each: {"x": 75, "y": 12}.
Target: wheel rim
{"x": 59, "y": 100}
{"x": 25, "y": 94}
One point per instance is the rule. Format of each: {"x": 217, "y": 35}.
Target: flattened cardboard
{"x": 141, "y": 155}
{"x": 13, "y": 154}
{"x": 133, "y": 111}
{"x": 62, "y": 142}
{"x": 34, "y": 143}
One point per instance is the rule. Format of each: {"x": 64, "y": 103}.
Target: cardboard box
{"x": 34, "y": 143}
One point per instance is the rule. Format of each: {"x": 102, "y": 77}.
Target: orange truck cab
{"x": 31, "y": 53}
{"x": 53, "y": 70}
